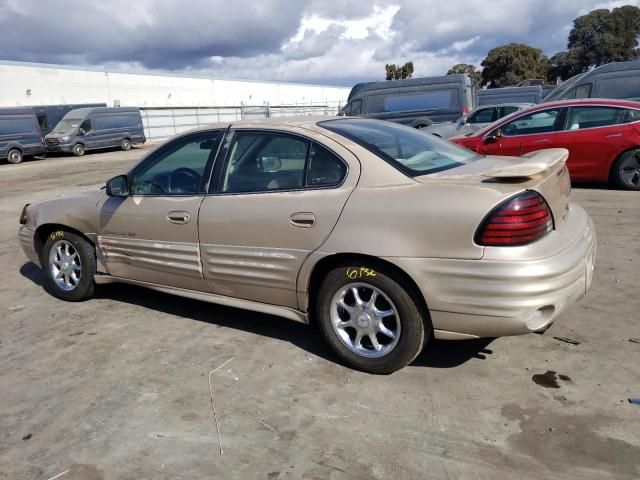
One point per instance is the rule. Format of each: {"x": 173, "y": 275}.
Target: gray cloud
{"x": 295, "y": 40}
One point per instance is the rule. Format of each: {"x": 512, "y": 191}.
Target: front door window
{"x": 179, "y": 169}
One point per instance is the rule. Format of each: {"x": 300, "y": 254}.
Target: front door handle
{"x": 178, "y": 217}
{"x": 614, "y": 135}
{"x": 302, "y": 219}
{"x": 542, "y": 140}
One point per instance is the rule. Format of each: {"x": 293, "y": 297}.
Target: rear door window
{"x": 590, "y": 117}
{"x": 484, "y": 115}
{"x": 422, "y": 100}
{"x": 631, "y": 115}
{"x": 325, "y": 169}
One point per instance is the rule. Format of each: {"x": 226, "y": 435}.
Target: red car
{"x": 602, "y": 136}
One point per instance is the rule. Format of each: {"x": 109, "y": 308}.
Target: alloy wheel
{"x": 365, "y": 320}
{"x": 64, "y": 265}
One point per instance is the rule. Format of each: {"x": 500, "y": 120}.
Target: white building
{"x": 44, "y": 84}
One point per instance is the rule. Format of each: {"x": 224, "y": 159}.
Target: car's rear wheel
{"x": 14, "y": 156}
{"x": 126, "y": 144}
{"x": 626, "y": 170}
{"x": 367, "y": 315}
{"x": 69, "y": 265}
{"x": 78, "y": 150}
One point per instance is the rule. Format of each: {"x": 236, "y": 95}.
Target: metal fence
{"x": 160, "y": 123}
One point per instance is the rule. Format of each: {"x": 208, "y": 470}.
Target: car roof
{"x": 590, "y": 101}
{"x": 310, "y": 122}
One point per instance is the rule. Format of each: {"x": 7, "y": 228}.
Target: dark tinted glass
{"x": 621, "y": 87}
{"x": 412, "y": 101}
{"x": 13, "y": 126}
{"x": 409, "y": 150}
{"x": 631, "y": 115}
{"x": 484, "y": 115}
{"x": 324, "y": 168}
{"x": 504, "y": 111}
{"x": 105, "y": 122}
{"x": 590, "y": 117}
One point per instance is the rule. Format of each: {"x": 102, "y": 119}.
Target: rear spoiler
{"x": 537, "y": 163}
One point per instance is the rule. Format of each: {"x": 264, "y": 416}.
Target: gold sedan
{"x": 383, "y": 235}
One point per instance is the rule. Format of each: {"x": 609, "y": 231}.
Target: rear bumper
{"x": 511, "y": 290}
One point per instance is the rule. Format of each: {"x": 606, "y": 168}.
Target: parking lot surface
{"x": 118, "y": 387}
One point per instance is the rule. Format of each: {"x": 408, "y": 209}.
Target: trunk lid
{"x": 543, "y": 171}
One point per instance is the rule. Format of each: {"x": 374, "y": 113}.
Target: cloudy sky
{"x": 335, "y": 42}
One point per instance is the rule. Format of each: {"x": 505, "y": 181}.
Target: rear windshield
{"x": 409, "y": 150}
{"x": 400, "y": 102}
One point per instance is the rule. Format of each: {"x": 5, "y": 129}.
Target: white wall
{"x": 51, "y": 85}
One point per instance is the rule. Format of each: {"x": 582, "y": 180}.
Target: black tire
{"x": 415, "y": 325}
{"x": 625, "y": 172}
{"x": 14, "y": 156}
{"x": 85, "y": 287}
{"x": 78, "y": 150}
{"x": 126, "y": 144}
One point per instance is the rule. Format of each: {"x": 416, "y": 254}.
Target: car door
{"x": 152, "y": 234}
{"x": 273, "y": 201}
{"x": 526, "y": 133}
{"x": 88, "y": 135}
{"x": 593, "y": 135}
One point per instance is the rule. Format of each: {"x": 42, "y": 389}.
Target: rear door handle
{"x": 302, "y": 219}
{"x": 543, "y": 140}
{"x": 178, "y": 217}
{"x": 614, "y": 135}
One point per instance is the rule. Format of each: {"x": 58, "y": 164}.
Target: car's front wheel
{"x": 368, "y": 316}
{"x": 69, "y": 266}
{"x": 78, "y": 149}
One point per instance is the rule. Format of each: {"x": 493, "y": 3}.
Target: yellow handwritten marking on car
{"x": 358, "y": 272}
{"x": 57, "y": 235}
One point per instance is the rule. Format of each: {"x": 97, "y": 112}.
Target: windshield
{"x": 67, "y": 125}
{"x": 409, "y": 150}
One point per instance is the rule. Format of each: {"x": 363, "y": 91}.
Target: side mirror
{"x": 269, "y": 164}
{"x": 81, "y": 131}
{"x": 117, "y": 186}
{"x": 493, "y": 137}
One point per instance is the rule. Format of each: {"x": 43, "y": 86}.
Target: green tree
{"x": 603, "y": 36}
{"x": 510, "y": 64}
{"x": 468, "y": 69}
{"x": 563, "y": 65}
{"x": 398, "y": 72}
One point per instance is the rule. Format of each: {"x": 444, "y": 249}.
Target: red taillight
{"x": 521, "y": 220}
{"x": 465, "y": 110}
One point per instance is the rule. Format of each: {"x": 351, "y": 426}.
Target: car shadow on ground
{"x": 437, "y": 354}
